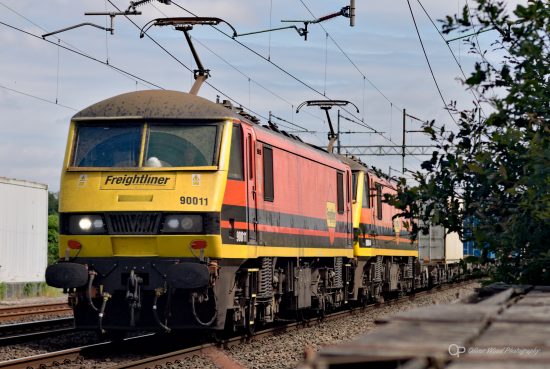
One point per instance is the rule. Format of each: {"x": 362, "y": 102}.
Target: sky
{"x": 378, "y": 65}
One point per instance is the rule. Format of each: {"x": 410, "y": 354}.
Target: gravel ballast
{"x": 287, "y": 351}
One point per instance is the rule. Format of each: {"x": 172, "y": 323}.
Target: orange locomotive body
{"x": 290, "y": 195}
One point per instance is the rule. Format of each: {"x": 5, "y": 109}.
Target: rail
{"x": 11, "y": 334}
{"x": 29, "y": 310}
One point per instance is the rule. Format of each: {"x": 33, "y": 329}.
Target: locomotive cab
{"x": 140, "y": 200}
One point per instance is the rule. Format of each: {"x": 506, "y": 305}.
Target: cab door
{"x": 251, "y": 186}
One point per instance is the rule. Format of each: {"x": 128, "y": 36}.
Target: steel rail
{"x": 29, "y": 331}
{"x": 67, "y": 356}
{"x": 26, "y": 310}
{"x": 52, "y": 358}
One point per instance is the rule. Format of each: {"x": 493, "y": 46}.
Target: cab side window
{"x": 354, "y": 185}
{"x": 379, "y": 201}
{"x": 366, "y": 193}
{"x": 340, "y": 191}
{"x": 236, "y": 170}
{"x": 269, "y": 191}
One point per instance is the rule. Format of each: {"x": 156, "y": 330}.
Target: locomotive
{"x": 179, "y": 213}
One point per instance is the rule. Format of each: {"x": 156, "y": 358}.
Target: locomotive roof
{"x": 356, "y": 166}
{"x": 155, "y": 104}
{"x": 167, "y": 104}
{"x": 353, "y": 164}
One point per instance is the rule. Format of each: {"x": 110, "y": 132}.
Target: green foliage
{"x": 28, "y": 289}
{"x": 53, "y": 203}
{"x": 493, "y": 172}
{"x": 53, "y": 239}
{"x": 3, "y": 289}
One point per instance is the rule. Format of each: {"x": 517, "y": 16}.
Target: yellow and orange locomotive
{"x": 181, "y": 213}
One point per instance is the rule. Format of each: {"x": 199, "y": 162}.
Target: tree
{"x": 53, "y": 228}
{"x": 53, "y": 203}
{"x": 493, "y": 172}
{"x": 53, "y": 239}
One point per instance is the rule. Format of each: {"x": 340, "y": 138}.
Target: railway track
{"x": 209, "y": 349}
{"x": 11, "y": 334}
{"x": 7, "y": 313}
{"x": 212, "y": 351}
{"x": 75, "y": 354}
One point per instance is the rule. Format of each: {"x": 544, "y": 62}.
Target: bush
{"x": 3, "y": 289}
{"x": 53, "y": 239}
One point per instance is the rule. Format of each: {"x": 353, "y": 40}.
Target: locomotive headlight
{"x": 183, "y": 223}
{"x": 172, "y": 223}
{"x": 86, "y": 224}
{"x": 187, "y": 222}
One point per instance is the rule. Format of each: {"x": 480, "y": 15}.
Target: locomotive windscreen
{"x": 117, "y": 145}
{"x": 182, "y": 146}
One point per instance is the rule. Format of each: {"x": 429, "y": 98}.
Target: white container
{"x": 439, "y": 247}
{"x": 23, "y": 231}
{"x": 454, "y": 248}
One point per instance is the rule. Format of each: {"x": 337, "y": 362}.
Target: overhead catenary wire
{"x": 360, "y": 123}
{"x": 250, "y": 79}
{"x": 283, "y": 70}
{"x": 429, "y": 64}
{"x": 106, "y": 35}
{"x": 57, "y": 74}
{"x": 270, "y": 20}
{"x": 37, "y": 97}
{"x": 365, "y": 78}
{"x": 392, "y": 105}
{"x": 348, "y": 57}
{"x": 289, "y": 128}
{"x": 476, "y": 97}
{"x": 106, "y": 64}
{"x": 134, "y": 77}
{"x": 76, "y": 51}
{"x": 357, "y": 122}
{"x": 72, "y": 48}
{"x": 478, "y": 47}
{"x": 286, "y": 121}
{"x": 326, "y": 63}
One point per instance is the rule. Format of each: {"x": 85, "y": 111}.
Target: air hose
{"x": 92, "y": 275}
{"x": 106, "y": 298}
{"x": 209, "y": 323}
{"x": 158, "y": 293}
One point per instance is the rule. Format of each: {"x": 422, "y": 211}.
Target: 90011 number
{"x": 193, "y": 200}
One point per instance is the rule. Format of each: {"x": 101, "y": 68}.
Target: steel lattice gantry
{"x": 381, "y": 150}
